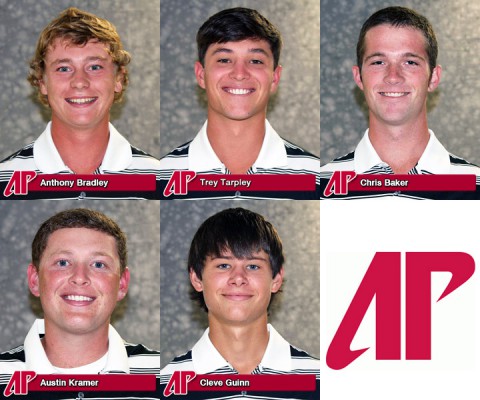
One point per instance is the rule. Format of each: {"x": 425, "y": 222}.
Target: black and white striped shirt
{"x": 277, "y": 156}
{"x": 41, "y": 156}
{"x": 122, "y": 357}
{"x": 434, "y": 160}
{"x": 280, "y": 358}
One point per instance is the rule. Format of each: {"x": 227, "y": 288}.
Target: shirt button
{"x": 238, "y": 194}
{"x": 82, "y": 195}
{"x": 81, "y": 395}
{"x": 244, "y": 393}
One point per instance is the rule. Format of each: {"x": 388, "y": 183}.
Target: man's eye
{"x": 253, "y": 267}
{"x": 63, "y": 69}
{"x": 63, "y": 263}
{"x": 98, "y": 264}
{"x": 96, "y": 67}
{"x": 257, "y": 62}
{"x": 410, "y": 62}
{"x": 223, "y": 266}
{"x": 223, "y": 60}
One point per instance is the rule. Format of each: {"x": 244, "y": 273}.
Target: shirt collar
{"x": 435, "y": 158}
{"x": 201, "y": 156}
{"x": 206, "y": 358}
{"x": 36, "y": 358}
{"x": 118, "y": 155}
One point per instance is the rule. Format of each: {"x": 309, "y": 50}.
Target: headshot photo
{"x": 79, "y": 289}
{"x": 240, "y": 91}
{"x": 81, "y": 92}
{"x": 240, "y": 277}
{"x": 396, "y": 93}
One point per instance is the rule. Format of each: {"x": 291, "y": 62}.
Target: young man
{"x": 238, "y": 67}
{"x": 396, "y": 69}
{"x": 79, "y": 70}
{"x": 79, "y": 271}
{"x": 235, "y": 266}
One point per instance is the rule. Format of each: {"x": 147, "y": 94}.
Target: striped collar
{"x": 435, "y": 159}
{"x": 36, "y": 358}
{"x": 207, "y": 359}
{"x": 201, "y": 156}
{"x": 118, "y": 155}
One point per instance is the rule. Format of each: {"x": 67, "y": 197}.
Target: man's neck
{"x": 82, "y": 150}
{"x": 65, "y": 350}
{"x": 243, "y": 346}
{"x": 399, "y": 146}
{"x": 236, "y": 143}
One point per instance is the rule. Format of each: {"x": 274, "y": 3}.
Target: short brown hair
{"x": 239, "y": 230}
{"x": 79, "y": 218}
{"x": 400, "y": 17}
{"x": 78, "y": 27}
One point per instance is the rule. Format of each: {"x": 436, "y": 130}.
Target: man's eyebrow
{"x": 71, "y": 252}
{"x": 404, "y": 55}
{"x": 229, "y": 51}
{"x": 69, "y": 60}
{"x": 225, "y": 257}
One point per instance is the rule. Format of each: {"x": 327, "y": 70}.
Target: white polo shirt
{"x": 277, "y": 156}
{"x": 121, "y": 358}
{"x": 280, "y": 357}
{"x": 43, "y": 157}
{"x": 365, "y": 160}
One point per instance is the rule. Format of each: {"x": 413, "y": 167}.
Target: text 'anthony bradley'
{"x": 70, "y": 182}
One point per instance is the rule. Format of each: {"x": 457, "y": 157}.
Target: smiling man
{"x": 235, "y": 266}
{"x": 238, "y": 67}
{"x": 396, "y": 69}
{"x": 79, "y": 271}
{"x": 79, "y": 70}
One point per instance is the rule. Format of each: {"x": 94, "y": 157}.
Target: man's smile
{"x": 394, "y": 94}
{"x": 78, "y": 300}
{"x": 238, "y": 91}
{"x": 82, "y": 100}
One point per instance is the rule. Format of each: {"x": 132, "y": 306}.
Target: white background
{"x": 351, "y": 232}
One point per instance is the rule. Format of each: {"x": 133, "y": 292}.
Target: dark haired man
{"x": 238, "y": 67}
{"x": 79, "y": 271}
{"x": 79, "y": 70}
{"x": 396, "y": 69}
{"x": 235, "y": 266}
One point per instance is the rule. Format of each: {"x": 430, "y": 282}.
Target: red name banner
{"x": 93, "y": 383}
{"x": 94, "y": 182}
{"x": 393, "y": 183}
{"x": 269, "y": 383}
{"x": 261, "y": 182}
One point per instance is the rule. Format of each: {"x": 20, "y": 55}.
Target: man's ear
{"x": 435, "y": 79}
{"x": 42, "y": 87}
{"x": 276, "y": 79}
{"x": 33, "y": 280}
{"x": 119, "y": 80}
{"x": 124, "y": 282}
{"x": 200, "y": 74}
{"x": 278, "y": 280}
{"x": 357, "y": 76}
{"x": 196, "y": 281}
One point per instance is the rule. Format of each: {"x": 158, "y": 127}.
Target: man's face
{"x": 80, "y": 82}
{"x": 237, "y": 291}
{"x": 78, "y": 280}
{"x": 238, "y": 78}
{"x": 395, "y": 76}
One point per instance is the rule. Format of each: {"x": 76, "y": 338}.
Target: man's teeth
{"x": 239, "y": 91}
{"x": 81, "y": 101}
{"x": 394, "y": 94}
{"x": 78, "y": 298}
